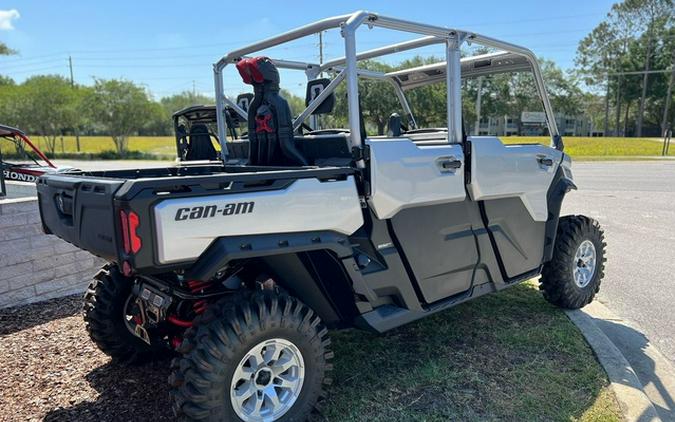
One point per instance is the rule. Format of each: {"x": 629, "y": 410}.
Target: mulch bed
{"x": 50, "y": 370}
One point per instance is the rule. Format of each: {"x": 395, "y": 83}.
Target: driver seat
{"x": 270, "y": 125}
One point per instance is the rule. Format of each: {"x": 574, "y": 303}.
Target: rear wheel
{"x": 572, "y": 278}
{"x": 253, "y": 357}
{"x": 108, "y": 318}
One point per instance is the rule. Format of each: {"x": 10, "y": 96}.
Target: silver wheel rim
{"x": 583, "y": 266}
{"x": 267, "y": 381}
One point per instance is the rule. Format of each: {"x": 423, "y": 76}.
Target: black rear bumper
{"x": 79, "y": 210}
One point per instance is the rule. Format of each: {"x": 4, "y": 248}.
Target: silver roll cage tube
{"x": 511, "y": 58}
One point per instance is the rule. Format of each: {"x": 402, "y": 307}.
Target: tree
{"x": 377, "y": 100}
{"x": 632, "y": 38}
{"x": 177, "y": 102}
{"x": 6, "y": 51}
{"x": 45, "y": 105}
{"x": 121, "y": 108}
{"x": 650, "y": 15}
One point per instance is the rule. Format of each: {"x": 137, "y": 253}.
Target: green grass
{"x": 600, "y": 148}
{"x": 509, "y": 356}
{"x": 159, "y": 145}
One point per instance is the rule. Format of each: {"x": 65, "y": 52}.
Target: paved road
{"x": 635, "y": 203}
{"x": 112, "y": 164}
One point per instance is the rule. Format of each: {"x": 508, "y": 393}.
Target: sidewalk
{"x": 641, "y": 377}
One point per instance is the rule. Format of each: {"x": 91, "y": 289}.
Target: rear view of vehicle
{"x": 239, "y": 259}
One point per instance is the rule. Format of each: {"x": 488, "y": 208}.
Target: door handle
{"x": 450, "y": 164}
{"x": 545, "y": 161}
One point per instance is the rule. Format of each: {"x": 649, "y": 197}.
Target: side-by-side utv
{"x": 241, "y": 257}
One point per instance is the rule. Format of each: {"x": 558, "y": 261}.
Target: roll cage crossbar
{"x": 512, "y": 58}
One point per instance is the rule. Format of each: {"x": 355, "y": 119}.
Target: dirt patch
{"x": 50, "y": 370}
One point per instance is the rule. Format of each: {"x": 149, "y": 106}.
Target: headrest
{"x": 244, "y": 100}
{"x": 257, "y": 70}
{"x": 314, "y": 88}
{"x": 198, "y": 128}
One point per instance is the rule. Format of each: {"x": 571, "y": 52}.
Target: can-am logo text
{"x": 207, "y": 211}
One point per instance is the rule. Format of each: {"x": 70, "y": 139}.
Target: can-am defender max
{"x": 243, "y": 255}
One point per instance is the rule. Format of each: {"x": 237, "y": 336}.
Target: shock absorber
{"x": 197, "y": 286}
{"x": 198, "y": 307}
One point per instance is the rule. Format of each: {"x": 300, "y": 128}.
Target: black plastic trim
{"x": 226, "y": 249}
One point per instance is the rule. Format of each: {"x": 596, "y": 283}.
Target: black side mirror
{"x": 316, "y": 87}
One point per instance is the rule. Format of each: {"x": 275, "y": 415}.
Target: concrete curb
{"x": 628, "y": 389}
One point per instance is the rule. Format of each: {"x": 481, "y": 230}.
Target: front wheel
{"x": 252, "y": 357}
{"x": 572, "y": 278}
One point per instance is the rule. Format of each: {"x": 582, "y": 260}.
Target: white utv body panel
{"x": 503, "y": 171}
{"x": 405, "y": 175}
{"x": 306, "y": 205}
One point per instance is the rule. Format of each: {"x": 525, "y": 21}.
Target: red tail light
{"x": 124, "y": 222}
{"x": 131, "y": 241}
{"x": 134, "y": 221}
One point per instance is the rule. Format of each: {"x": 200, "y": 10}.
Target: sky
{"x": 170, "y": 46}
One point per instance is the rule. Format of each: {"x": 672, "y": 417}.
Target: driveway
{"x": 635, "y": 203}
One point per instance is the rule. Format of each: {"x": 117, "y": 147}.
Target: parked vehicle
{"x": 20, "y": 159}
{"x": 244, "y": 254}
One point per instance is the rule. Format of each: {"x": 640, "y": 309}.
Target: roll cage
{"x": 511, "y": 58}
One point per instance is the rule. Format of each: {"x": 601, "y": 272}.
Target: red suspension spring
{"x": 195, "y": 286}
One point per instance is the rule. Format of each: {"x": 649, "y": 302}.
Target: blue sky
{"x": 169, "y": 46}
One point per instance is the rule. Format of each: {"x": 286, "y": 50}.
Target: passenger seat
{"x": 200, "y": 146}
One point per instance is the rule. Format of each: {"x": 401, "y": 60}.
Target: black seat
{"x": 200, "y": 146}
{"x": 270, "y": 125}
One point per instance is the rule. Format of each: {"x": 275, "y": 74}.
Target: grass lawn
{"x": 160, "y": 145}
{"x": 579, "y": 148}
{"x": 509, "y": 356}
{"x": 600, "y": 148}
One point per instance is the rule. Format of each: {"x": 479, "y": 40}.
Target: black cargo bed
{"x": 82, "y": 207}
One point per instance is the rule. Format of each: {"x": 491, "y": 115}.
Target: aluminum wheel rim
{"x": 267, "y": 381}
{"x": 583, "y": 266}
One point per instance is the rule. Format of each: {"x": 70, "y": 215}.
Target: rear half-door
{"x": 420, "y": 190}
{"x": 511, "y": 183}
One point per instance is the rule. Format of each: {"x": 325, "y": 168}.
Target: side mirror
{"x": 316, "y": 87}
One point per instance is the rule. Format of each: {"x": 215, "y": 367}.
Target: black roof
{"x": 197, "y": 113}
{"x": 8, "y": 131}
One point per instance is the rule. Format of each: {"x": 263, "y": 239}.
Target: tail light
{"x": 129, "y": 223}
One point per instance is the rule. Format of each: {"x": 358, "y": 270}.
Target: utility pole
{"x": 72, "y": 85}
{"x": 645, "y": 78}
{"x": 321, "y": 47}
{"x": 70, "y": 65}
{"x": 669, "y": 92}
{"x": 476, "y": 130}
{"x": 194, "y": 91}
{"x": 606, "y": 129}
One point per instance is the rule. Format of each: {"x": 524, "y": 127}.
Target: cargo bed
{"x": 170, "y": 214}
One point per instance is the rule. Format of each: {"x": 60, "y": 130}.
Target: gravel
{"x": 51, "y": 371}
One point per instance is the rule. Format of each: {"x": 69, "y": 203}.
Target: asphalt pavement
{"x": 635, "y": 204}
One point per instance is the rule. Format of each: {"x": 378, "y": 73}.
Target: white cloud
{"x": 6, "y": 18}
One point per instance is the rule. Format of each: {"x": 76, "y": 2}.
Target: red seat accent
{"x": 262, "y": 123}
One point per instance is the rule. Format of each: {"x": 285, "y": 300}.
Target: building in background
{"x": 533, "y": 123}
